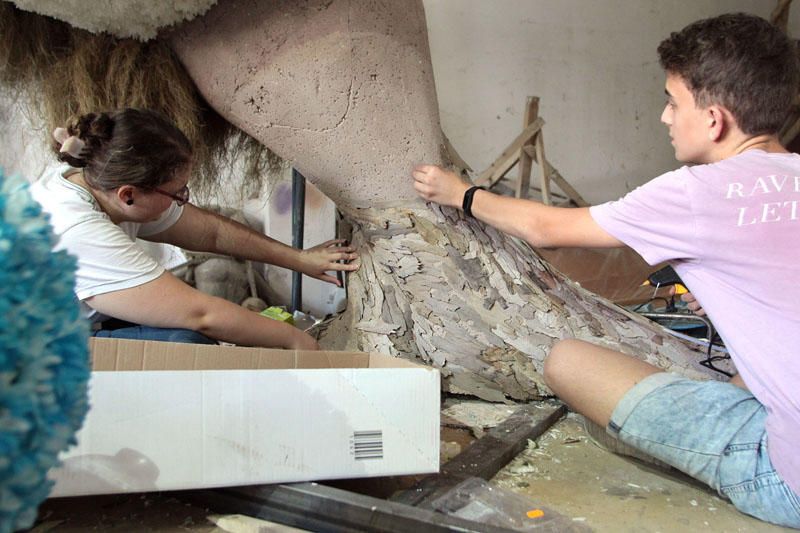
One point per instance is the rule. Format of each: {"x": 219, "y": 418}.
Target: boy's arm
{"x": 539, "y": 225}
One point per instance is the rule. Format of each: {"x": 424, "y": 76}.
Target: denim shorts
{"x": 712, "y": 431}
{"x": 147, "y": 333}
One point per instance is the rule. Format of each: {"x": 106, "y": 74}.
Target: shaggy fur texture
{"x": 140, "y": 19}
{"x": 65, "y": 71}
{"x": 44, "y": 361}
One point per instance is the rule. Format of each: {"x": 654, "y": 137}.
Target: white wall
{"x": 594, "y": 65}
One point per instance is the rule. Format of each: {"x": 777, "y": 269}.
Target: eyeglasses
{"x": 181, "y": 197}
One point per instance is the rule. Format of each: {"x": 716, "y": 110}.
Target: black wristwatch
{"x": 466, "y": 204}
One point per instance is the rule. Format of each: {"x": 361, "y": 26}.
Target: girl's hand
{"x": 435, "y": 184}
{"x": 303, "y": 341}
{"x": 329, "y": 256}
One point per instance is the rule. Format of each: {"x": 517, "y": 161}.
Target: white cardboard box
{"x": 168, "y": 416}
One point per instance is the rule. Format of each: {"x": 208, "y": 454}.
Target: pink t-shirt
{"x": 732, "y": 232}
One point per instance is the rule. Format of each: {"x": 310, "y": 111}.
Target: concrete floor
{"x": 563, "y": 471}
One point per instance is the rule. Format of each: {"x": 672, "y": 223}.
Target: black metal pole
{"x": 298, "y": 220}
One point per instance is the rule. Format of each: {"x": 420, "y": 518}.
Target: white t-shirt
{"x": 109, "y": 259}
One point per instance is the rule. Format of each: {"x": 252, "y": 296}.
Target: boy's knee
{"x": 559, "y": 365}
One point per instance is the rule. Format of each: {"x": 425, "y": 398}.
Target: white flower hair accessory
{"x": 70, "y": 144}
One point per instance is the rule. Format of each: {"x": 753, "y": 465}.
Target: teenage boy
{"x": 730, "y": 226}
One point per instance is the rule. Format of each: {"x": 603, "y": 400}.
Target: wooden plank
{"x": 499, "y": 172}
{"x": 563, "y": 200}
{"x": 791, "y": 120}
{"x": 523, "y": 183}
{"x": 487, "y": 455}
{"x": 562, "y": 183}
{"x": 523, "y": 150}
{"x": 791, "y": 132}
{"x": 780, "y": 15}
{"x": 545, "y": 176}
{"x": 525, "y": 160}
{"x": 567, "y": 188}
{"x": 509, "y": 157}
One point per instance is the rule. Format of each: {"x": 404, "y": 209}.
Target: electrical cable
{"x": 711, "y": 334}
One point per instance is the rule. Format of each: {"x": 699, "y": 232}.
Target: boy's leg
{"x": 592, "y": 379}
{"x": 710, "y": 430}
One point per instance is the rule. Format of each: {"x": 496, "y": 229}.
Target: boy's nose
{"x": 666, "y": 117}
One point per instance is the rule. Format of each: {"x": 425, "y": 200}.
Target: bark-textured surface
{"x": 479, "y": 305}
{"x": 344, "y": 89}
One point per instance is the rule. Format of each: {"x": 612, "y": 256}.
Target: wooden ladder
{"x": 526, "y": 149}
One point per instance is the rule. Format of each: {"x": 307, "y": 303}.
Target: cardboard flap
{"x": 378, "y": 360}
{"x": 217, "y": 416}
{"x": 124, "y": 354}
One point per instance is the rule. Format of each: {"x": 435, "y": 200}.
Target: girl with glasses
{"x": 125, "y": 176}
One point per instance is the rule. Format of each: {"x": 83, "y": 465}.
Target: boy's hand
{"x": 435, "y": 184}
{"x": 691, "y": 302}
{"x": 335, "y": 254}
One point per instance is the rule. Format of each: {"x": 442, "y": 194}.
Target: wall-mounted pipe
{"x": 298, "y": 220}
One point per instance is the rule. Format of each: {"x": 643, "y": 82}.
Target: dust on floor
{"x": 567, "y": 472}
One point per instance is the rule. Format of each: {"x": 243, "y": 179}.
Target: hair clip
{"x": 61, "y": 135}
{"x": 70, "y": 144}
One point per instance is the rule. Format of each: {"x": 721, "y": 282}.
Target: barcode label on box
{"x": 367, "y": 445}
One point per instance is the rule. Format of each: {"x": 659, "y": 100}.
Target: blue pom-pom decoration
{"x": 44, "y": 356}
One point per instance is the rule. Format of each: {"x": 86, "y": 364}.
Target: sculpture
{"x": 344, "y": 90}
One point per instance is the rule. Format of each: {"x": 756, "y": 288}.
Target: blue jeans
{"x": 712, "y": 431}
{"x": 147, "y": 333}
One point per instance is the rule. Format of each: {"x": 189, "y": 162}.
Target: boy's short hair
{"x": 739, "y": 61}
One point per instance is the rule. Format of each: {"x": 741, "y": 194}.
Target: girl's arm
{"x": 204, "y": 231}
{"x": 167, "y": 302}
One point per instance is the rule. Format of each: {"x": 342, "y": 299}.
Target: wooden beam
{"x": 563, "y": 199}
{"x": 525, "y": 150}
{"x": 562, "y": 183}
{"x": 487, "y": 455}
{"x": 791, "y": 132}
{"x": 545, "y": 176}
{"x": 525, "y": 160}
{"x": 780, "y": 15}
{"x": 509, "y": 157}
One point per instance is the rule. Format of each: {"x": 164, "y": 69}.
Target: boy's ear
{"x": 719, "y": 122}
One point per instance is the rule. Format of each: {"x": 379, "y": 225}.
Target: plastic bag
{"x": 475, "y": 499}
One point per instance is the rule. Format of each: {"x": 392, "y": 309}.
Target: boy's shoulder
{"x": 751, "y": 162}
{"x": 760, "y": 157}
